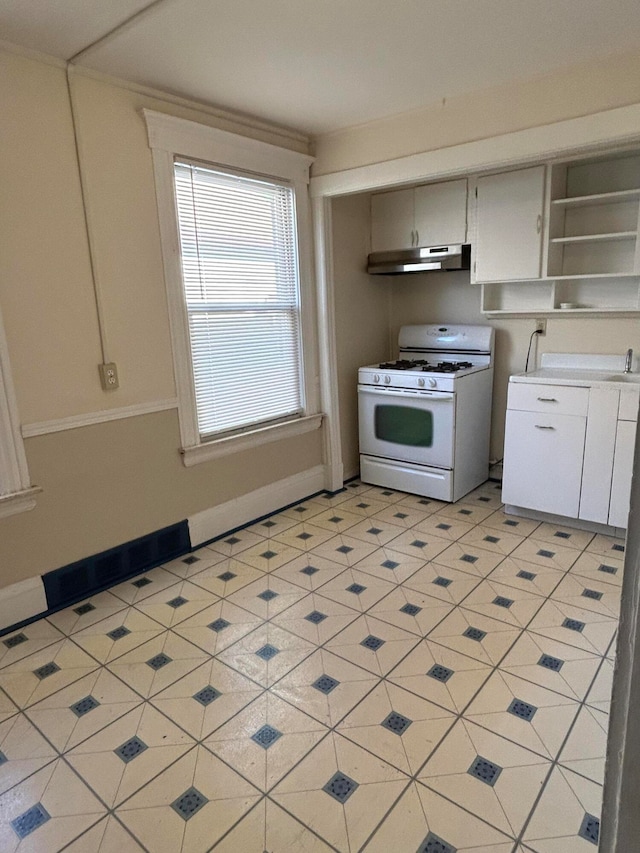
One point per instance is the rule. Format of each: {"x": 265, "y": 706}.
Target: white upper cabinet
{"x": 392, "y": 221}
{"x": 441, "y": 213}
{"x": 509, "y": 218}
{"x": 422, "y": 216}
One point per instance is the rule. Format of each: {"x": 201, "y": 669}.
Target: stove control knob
{"x": 376, "y": 377}
{"x": 433, "y": 383}
{"x": 387, "y": 380}
{"x": 421, "y": 383}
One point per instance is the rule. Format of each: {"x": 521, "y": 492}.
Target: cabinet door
{"x": 598, "y": 454}
{"x": 543, "y": 461}
{"x": 509, "y": 225}
{"x": 392, "y": 221}
{"x": 441, "y": 213}
{"x": 622, "y": 473}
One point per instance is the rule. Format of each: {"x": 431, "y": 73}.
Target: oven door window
{"x": 406, "y": 425}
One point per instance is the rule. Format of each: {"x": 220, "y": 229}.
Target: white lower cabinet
{"x": 543, "y": 461}
{"x": 622, "y": 473}
{"x": 599, "y": 450}
{"x": 569, "y": 451}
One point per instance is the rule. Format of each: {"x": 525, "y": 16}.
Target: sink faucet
{"x": 628, "y": 360}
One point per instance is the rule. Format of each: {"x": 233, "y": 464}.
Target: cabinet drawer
{"x": 555, "y": 399}
{"x": 628, "y": 409}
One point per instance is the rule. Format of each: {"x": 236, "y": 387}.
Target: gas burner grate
{"x": 447, "y": 367}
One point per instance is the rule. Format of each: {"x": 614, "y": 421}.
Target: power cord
{"x": 533, "y": 334}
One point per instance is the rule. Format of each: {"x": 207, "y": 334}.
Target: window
{"x": 16, "y": 492}
{"x": 240, "y": 276}
{"x": 236, "y": 242}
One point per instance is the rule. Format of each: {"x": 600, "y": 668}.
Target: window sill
{"x": 17, "y": 502}
{"x": 248, "y": 440}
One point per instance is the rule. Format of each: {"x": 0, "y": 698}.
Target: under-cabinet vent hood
{"x": 426, "y": 259}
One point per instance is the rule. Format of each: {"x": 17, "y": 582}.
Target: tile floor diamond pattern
{"x": 14, "y": 641}
{"x": 440, "y": 673}
{"x": 475, "y": 634}
{"x": 522, "y": 709}
{"x": 484, "y": 770}
{"x": 189, "y": 803}
{"x": 227, "y": 576}
{"x": 316, "y": 617}
{"x": 340, "y": 787}
{"x": 31, "y": 820}
{"x": 268, "y": 595}
{"x": 207, "y": 695}
{"x": 267, "y": 652}
{"x": 396, "y": 723}
{"x": 158, "y": 661}
{"x": 549, "y": 662}
{"x": 434, "y": 844}
{"x": 266, "y": 736}
{"x": 373, "y": 643}
{"x": 527, "y": 576}
{"x": 573, "y": 625}
{"x": 118, "y": 633}
{"x": 84, "y": 706}
{"x": 325, "y": 684}
{"x": 590, "y": 829}
{"x": 130, "y": 749}
{"x": 46, "y": 670}
{"x": 406, "y": 645}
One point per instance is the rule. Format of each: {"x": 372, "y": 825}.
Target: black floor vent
{"x": 79, "y": 580}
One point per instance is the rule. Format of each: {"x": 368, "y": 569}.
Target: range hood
{"x": 426, "y": 259}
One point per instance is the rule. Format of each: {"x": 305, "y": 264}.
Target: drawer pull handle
{"x": 538, "y": 426}
{"x": 547, "y": 399}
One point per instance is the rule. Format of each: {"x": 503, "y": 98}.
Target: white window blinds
{"x": 240, "y": 275}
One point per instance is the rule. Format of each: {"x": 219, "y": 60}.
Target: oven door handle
{"x": 438, "y": 396}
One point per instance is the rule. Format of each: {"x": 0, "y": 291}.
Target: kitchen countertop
{"x": 605, "y": 371}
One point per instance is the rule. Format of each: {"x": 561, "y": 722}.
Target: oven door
{"x": 411, "y": 426}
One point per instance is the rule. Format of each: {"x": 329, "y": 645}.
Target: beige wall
{"x": 108, "y": 483}
{"x": 581, "y": 90}
{"x": 112, "y": 482}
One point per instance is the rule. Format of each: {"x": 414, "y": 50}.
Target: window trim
{"x": 16, "y": 492}
{"x": 171, "y": 137}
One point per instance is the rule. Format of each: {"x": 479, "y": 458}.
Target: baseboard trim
{"x": 22, "y": 601}
{"x": 34, "y": 598}
{"x": 218, "y": 520}
{"x": 91, "y": 418}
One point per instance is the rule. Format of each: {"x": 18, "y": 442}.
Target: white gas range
{"x": 424, "y": 420}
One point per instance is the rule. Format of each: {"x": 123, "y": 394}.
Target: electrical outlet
{"x": 109, "y": 376}
{"x": 541, "y": 327}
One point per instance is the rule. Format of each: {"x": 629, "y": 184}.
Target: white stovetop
{"x": 582, "y": 369}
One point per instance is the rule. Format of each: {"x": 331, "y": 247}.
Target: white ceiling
{"x": 321, "y": 65}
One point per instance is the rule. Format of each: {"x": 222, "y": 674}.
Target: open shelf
{"x": 598, "y": 198}
{"x": 596, "y": 238}
{"x": 592, "y": 226}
